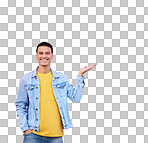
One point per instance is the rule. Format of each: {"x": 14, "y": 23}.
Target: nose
{"x": 44, "y": 55}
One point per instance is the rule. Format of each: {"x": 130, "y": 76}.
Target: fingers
{"x": 92, "y": 66}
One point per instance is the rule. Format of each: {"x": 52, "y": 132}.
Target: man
{"x": 41, "y": 102}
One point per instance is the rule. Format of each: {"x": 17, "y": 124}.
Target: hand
{"x": 28, "y": 131}
{"x": 85, "y": 69}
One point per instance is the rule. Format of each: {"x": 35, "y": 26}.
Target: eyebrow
{"x": 45, "y": 52}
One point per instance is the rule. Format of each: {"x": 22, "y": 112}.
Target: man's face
{"x": 44, "y": 56}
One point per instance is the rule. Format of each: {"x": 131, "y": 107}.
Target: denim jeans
{"x": 33, "y": 138}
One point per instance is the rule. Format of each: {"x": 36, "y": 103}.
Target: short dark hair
{"x": 44, "y": 44}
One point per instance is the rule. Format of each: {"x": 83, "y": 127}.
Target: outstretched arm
{"x": 75, "y": 93}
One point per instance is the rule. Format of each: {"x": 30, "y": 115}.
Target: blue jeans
{"x": 33, "y": 138}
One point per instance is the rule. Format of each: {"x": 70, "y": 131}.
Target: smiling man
{"x": 41, "y": 102}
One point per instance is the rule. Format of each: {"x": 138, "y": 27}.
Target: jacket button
{"x": 37, "y": 119}
{"x": 36, "y": 130}
{"x": 36, "y": 87}
{"x": 36, "y": 98}
{"x": 36, "y": 108}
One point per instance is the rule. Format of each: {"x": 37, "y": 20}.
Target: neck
{"x": 43, "y": 70}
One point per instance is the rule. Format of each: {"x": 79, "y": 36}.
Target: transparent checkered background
{"x": 114, "y": 33}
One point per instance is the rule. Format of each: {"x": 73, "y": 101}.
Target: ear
{"x": 52, "y": 55}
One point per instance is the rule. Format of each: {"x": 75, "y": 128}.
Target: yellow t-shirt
{"x": 50, "y": 120}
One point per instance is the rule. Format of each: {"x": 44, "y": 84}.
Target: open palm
{"x": 85, "y": 69}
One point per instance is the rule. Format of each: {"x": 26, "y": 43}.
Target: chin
{"x": 44, "y": 65}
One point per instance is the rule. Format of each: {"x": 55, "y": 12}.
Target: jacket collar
{"x": 54, "y": 73}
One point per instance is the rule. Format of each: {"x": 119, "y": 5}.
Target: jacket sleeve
{"x": 75, "y": 93}
{"x": 21, "y": 103}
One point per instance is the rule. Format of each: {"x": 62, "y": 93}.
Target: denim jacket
{"x": 28, "y": 98}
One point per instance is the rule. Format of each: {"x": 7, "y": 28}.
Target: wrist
{"x": 80, "y": 74}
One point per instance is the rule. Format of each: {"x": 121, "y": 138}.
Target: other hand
{"x": 28, "y": 131}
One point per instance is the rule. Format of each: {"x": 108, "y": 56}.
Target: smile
{"x": 44, "y": 60}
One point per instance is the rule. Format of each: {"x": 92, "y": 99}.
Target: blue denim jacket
{"x": 28, "y": 98}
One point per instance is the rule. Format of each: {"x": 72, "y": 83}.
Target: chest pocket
{"x": 61, "y": 87}
{"x": 30, "y": 90}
